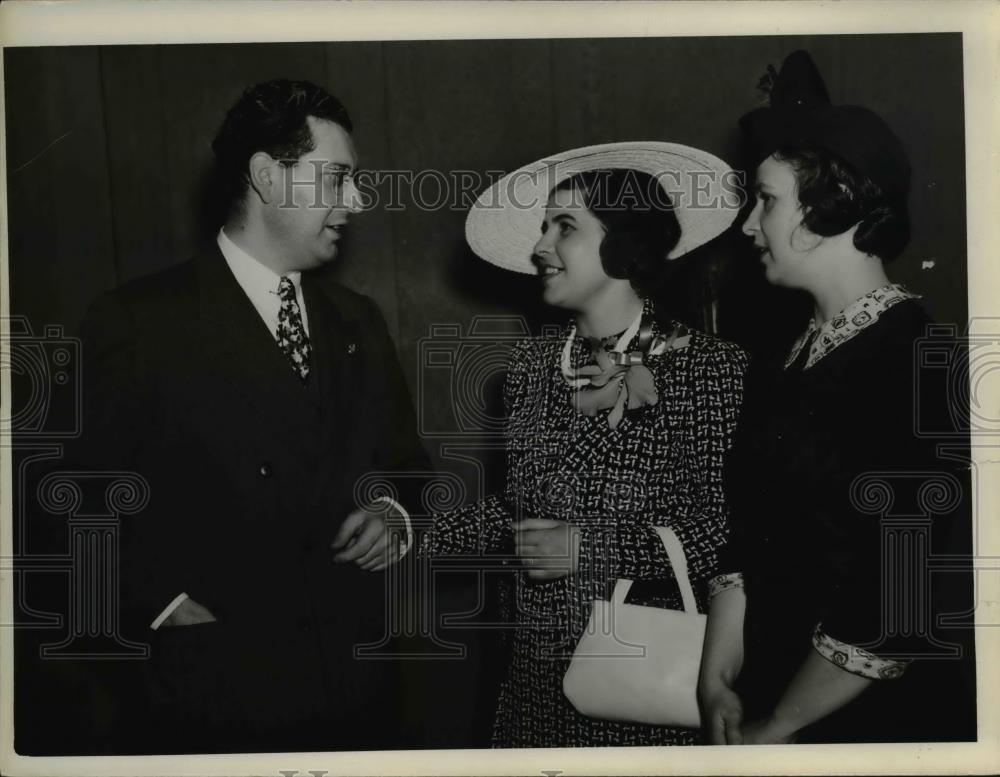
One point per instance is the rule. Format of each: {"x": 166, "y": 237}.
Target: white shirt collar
{"x": 259, "y": 282}
{"x": 249, "y": 272}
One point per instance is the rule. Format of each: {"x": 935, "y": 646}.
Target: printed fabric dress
{"x": 661, "y": 465}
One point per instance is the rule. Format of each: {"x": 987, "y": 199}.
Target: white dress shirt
{"x": 260, "y": 284}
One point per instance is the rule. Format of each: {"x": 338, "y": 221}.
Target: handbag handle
{"x": 678, "y": 562}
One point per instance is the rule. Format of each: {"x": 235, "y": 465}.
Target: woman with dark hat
{"x": 801, "y": 645}
{"x": 616, "y": 426}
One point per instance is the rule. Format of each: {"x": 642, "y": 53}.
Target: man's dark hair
{"x": 639, "y": 221}
{"x": 835, "y": 197}
{"x": 269, "y": 117}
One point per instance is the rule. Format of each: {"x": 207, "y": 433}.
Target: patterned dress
{"x": 661, "y": 465}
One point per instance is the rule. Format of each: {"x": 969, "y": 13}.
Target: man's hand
{"x": 722, "y": 712}
{"x": 548, "y": 549}
{"x": 365, "y": 539}
{"x": 188, "y": 613}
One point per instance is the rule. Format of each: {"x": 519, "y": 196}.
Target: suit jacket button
{"x": 265, "y": 470}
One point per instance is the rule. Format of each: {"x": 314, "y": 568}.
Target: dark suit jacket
{"x": 250, "y": 476}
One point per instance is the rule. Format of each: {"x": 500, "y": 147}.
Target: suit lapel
{"x": 243, "y": 352}
{"x": 336, "y": 359}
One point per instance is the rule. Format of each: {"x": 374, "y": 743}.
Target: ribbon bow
{"x": 618, "y": 379}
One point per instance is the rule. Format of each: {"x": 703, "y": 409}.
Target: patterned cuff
{"x": 721, "y": 583}
{"x": 854, "y": 659}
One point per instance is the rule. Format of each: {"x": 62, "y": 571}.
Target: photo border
{"x": 132, "y": 22}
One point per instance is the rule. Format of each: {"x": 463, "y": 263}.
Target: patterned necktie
{"x": 292, "y": 337}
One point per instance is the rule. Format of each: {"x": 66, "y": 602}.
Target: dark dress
{"x": 820, "y": 457}
{"x": 661, "y": 466}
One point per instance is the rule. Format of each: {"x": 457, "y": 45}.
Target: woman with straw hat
{"x": 616, "y": 426}
{"x": 800, "y": 643}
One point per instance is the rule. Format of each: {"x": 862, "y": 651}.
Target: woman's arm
{"x": 818, "y": 689}
{"x": 721, "y": 662}
{"x": 471, "y": 530}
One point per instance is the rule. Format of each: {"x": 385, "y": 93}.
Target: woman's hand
{"x": 548, "y": 549}
{"x": 722, "y": 714}
{"x": 767, "y": 731}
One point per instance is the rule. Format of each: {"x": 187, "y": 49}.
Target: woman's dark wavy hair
{"x": 835, "y": 197}
{"x": 269, "y": 117}
{"x": 639, "y": 221}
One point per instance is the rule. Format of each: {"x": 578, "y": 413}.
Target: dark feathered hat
{"x": 800, "y": 112}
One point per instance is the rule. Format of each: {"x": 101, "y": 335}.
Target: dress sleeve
{"x": 856, "y": 660}
{"x": 695, "y": 509}
{"x": 739, "y": 479}
{"x": 876, "y": 440}
{"x": 471, "y": 530}
{"x": 724, "y": 582}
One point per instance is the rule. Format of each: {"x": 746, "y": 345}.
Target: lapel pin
{"x": 351, "y": 348}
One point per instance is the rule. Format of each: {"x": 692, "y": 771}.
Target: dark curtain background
{"x": 108, "y": 149}
{"x": 109, "y": 156}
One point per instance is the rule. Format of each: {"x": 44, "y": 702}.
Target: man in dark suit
{"x": 252, "y": 399}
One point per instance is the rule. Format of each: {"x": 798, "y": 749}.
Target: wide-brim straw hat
{"x": 504, "y": 223}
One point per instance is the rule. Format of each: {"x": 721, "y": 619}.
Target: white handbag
{"x": 639, "y": 663}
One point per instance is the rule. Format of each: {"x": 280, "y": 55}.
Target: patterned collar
{"x": 851, "y": 321}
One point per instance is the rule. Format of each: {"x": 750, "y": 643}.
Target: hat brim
{"x": 504, "y": 223}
